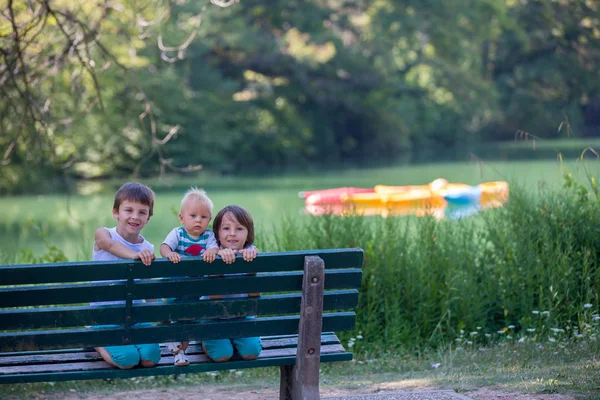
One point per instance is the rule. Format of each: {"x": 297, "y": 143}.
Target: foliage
{"x": 52, "y": 254}
{"x": 96, "y": 89}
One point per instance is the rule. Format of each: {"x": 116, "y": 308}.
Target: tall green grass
{"x": 532, "y": 264}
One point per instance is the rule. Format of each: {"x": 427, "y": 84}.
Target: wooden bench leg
{"x": 286, "y": 382}
{"x": 308, "y": 357}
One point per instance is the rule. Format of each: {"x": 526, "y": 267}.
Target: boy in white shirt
{"x": 132, "y": 208}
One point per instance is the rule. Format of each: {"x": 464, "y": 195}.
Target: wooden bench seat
{"x": 75, "y": 363}
{"x": 48, "y": 329}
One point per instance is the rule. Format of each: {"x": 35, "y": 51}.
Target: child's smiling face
{"x": 232, "y": 235}
{"x": 131, "y": 218}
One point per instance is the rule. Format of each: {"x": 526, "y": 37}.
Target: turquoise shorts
{"x": 131, "y": 355}
{"x": 223, "y": 348}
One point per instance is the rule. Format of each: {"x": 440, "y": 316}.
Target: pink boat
{"x": 331, "y": 196}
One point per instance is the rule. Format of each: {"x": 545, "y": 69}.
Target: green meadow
{"x": 69, "y": 221}
{"x": 522, "y": 281}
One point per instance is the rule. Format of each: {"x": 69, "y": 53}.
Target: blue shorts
{"x": 131, "y": 355}
{"x": 223, "y": 348}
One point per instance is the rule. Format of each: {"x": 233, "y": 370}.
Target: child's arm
{"x": 166, "y": 251}
{"x": 170, "y": 243}
{"x": 212, "y": 249}
{"x": 106, "y": 243}
{"x": 249, "y": 253}
{"x": 210, "y": 254}
{"x": 227, "y": 255}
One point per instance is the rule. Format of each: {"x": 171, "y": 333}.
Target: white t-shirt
{"x": 103, "y": 255}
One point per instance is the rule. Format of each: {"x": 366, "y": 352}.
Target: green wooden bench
{"x": 46, "y": 319}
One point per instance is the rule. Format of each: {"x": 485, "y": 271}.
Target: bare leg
{"x": 147, "y": 363}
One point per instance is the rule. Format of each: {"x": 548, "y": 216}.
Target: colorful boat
{"x": 331, "y": 196}
{"x": 434, "y": 198}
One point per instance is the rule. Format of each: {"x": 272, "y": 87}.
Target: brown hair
{"x": 137, "y": 192}
{"x": 242, "y": 216}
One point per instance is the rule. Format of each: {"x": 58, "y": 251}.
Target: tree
{"x": 71, "y": 100}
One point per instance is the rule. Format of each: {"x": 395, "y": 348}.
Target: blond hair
{"x": 200, "y": 195}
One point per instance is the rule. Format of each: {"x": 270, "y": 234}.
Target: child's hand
{"x": 249, "y": 254}
{"x": 145, "y": 256}
{"x": 174, "y": 257}
{"x": 210, "y": 255}
{"x": 227, "y": 255}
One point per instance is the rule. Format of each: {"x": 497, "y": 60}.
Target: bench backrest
{"x": 46, "y": 306}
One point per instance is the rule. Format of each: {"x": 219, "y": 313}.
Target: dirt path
{"x": 212, "y": 392}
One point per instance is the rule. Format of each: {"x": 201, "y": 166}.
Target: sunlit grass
{"x": 71, "y": 220}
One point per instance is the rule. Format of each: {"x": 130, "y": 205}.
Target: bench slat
{"x": 91, "y": 355}
{"x": 90, "y": 337}
{"x": 87, "y": 349}
{"x": 107, "y": 270}
{"x": 101, "y": 370}
{"x": 205, "y": 309}
{"x": 168, "y": 360}
{"x": 148, "y": 289}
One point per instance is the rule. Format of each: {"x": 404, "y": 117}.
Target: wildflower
{"x": 521, "y": 340}
{"x": 478, "y": 328}
{"x": 501, "y": 331}
{"x": 551, "y": 339}
{"x": 469, "y": 342}
{"x": 462, "y": 331}
{"x": 535, "y": 312}
{"x": 556, "y": 330}
{"x": 587, "y": 305}
{"x": 511, "y": 327}
{"x": 436, "y": 365}
{"x": 474, "y": 333}
{"x": 530, "y": 329}
{"x": 545, "y": 312}
{"x": 595, "y": 317}
{"x": 488, "y": 335}
{"x": 359, "y": 337}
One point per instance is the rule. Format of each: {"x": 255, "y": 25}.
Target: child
{"x": 192, "y": 239}
{"x": 235, "y": 234}
{"x": 132, "y": 208}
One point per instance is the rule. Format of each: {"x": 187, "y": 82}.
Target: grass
{"x": 532, "y": 264}
{"x": 570, "y": 367}
{"x": 70, "y": 221}
{"x": 521, "y": 282}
